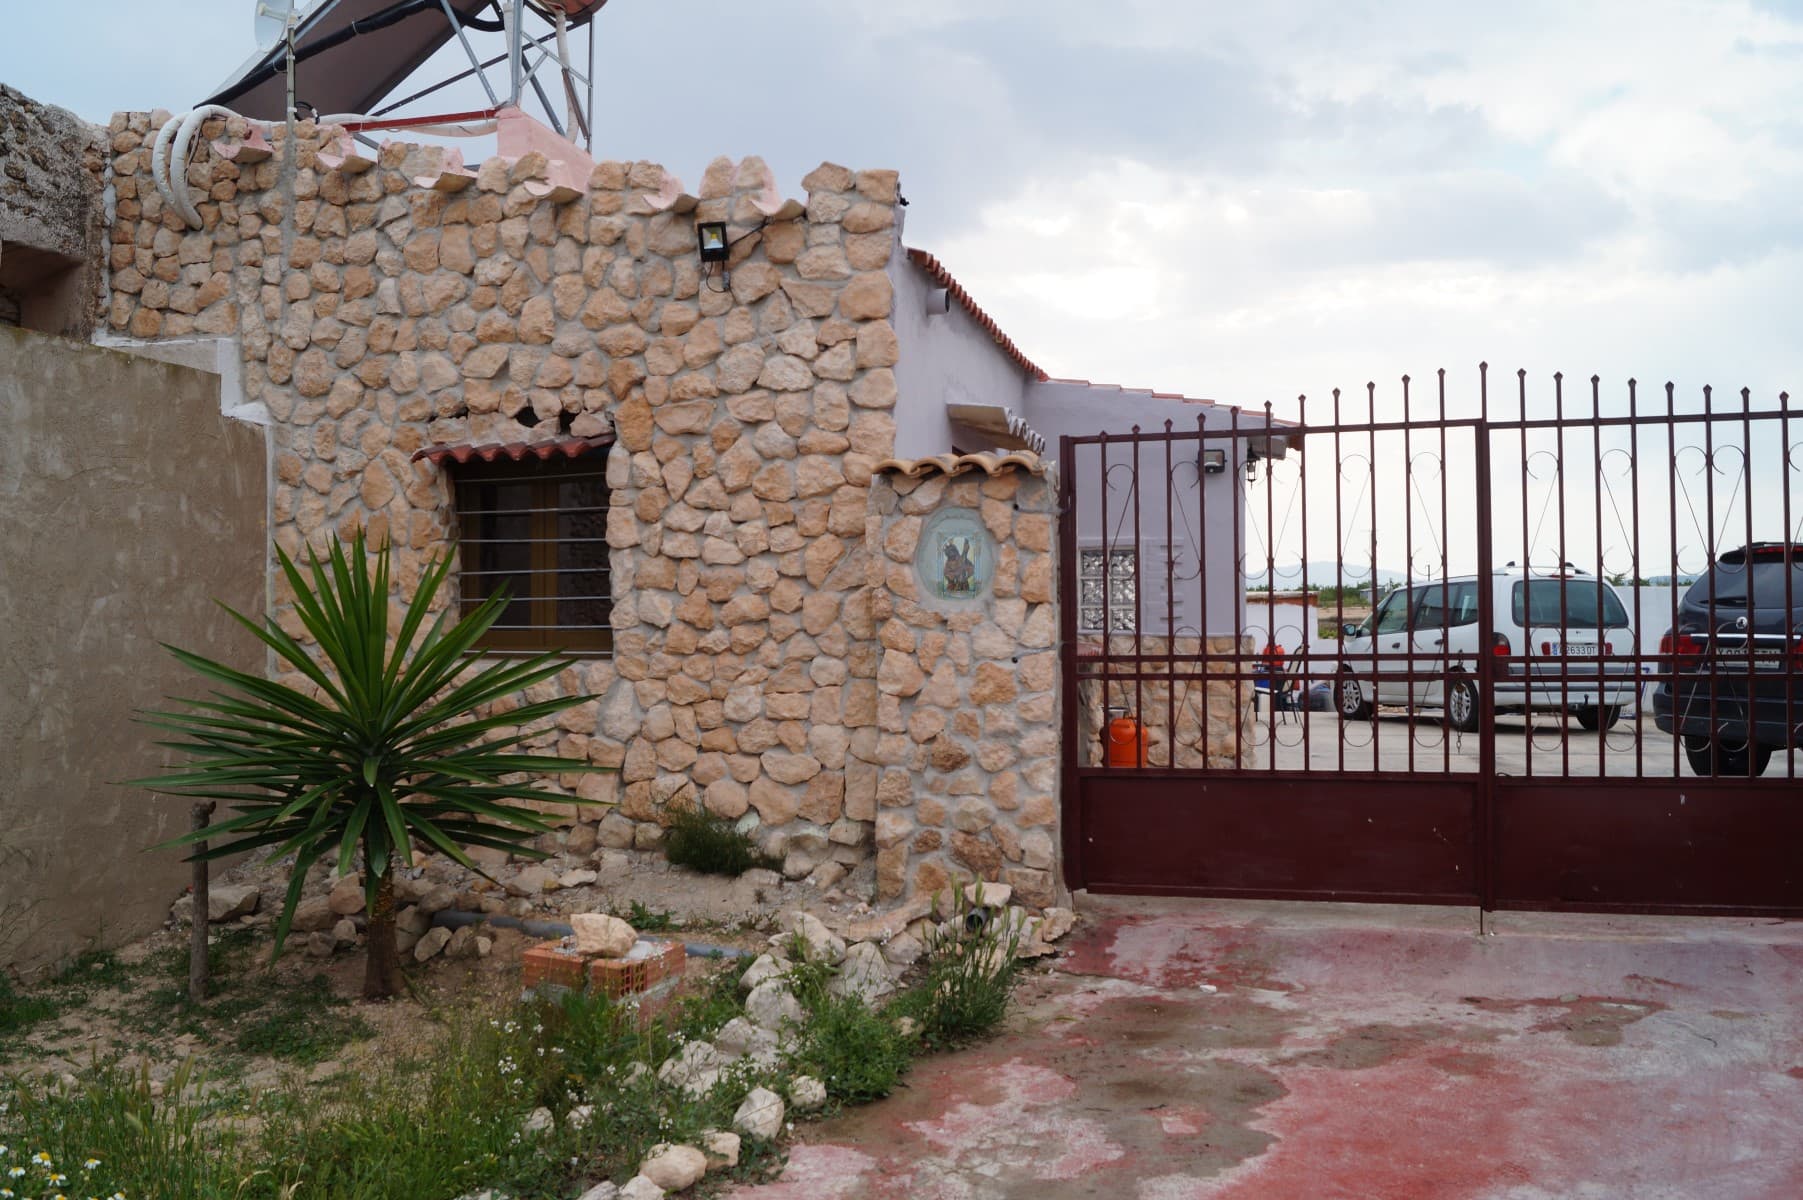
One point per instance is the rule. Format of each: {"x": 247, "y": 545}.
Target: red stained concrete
{"x": 1358, "y": 1052}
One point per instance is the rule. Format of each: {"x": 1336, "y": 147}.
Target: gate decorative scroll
{"x": 1432, "y": 648}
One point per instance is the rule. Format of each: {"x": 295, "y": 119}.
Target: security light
{"x": 711, "y": 236}
{"x": 1214, "y": 460}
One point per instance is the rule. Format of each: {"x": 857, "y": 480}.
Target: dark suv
{"x": 1735, "y": 662}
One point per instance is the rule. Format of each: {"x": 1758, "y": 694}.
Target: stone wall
{"x": 131, "y": 505}
{"x": 377, "y": 316}
{"x": 1202, "y": 718}
{"x": 963, "y": 753}
{"x": 51, "y": 218}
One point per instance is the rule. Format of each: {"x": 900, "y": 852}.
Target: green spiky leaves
{"x": 396, "y": 747}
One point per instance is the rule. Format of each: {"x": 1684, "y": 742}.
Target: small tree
{"x": 387, "y": 754}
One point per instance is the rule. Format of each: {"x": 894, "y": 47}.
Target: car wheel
{"x": 1353, "y": 705}
{"x": 1594, "y": 719}
{"x": 1726, "y": 759}
{"x": 1462, "y": 707}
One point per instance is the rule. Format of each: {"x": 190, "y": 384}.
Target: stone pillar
{"x": 963, "y": 753}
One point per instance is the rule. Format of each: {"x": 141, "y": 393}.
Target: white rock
{"x": 903, "y": 950}
{"x": 761, "y": 1114}
{"x": 580, "y": 1117}
{"x": 864, "y": 974}
{"x": 598, "y": 933}
{"x": 674, "y": 1168}
{"x": 822, "y": 943}
{"x": 1057, "y": 923}
{"x": 483, "y": 946}
{"x": 722, "y": 1148}
{"x": 226, "y": 902}
{"x": 538, "y": 1121}
{"x": 640, "y": 1188}
{"x": 695, "y": 1068}
{"x": 740, "y": 1039}
{"x": 346, "y": 897}
{"x": 531, "y": 881}
{"x": 430, "y": 944}
{"x": 907, "y": 1027}
{"x": 772, "y": 1005}
{"x": 577, "y": 878}
{"x": 807, "y": 1093}
{"x": 602, "y": 1191}
{"x": 345, "y": 932}
{"x": 763, "y": 967}
{"x": 436, "y": 899}
{"x": 987, "y": 895}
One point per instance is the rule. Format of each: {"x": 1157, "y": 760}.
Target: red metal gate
{"x": 1527, "y": 657}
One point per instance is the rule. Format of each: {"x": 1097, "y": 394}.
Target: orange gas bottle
{"x": 1126, "y": 742}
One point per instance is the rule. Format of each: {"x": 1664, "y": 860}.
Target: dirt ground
{"x": 1205, "y": 1049}
{"x": 302, "y": 1015}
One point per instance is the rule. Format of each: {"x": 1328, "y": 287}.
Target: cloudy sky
{"x": 1243, "y": 202}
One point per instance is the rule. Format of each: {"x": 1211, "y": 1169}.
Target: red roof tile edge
{"x": 932, "y": 266}
{"x": 516, "y": 451}
{"x": 1177, "y": 396}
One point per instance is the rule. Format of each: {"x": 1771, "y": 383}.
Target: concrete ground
{"x": 1267, "y": 1051}
{"x": 1320, "y": 741}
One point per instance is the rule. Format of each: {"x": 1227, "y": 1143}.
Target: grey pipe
{"x": 453, "y": 918}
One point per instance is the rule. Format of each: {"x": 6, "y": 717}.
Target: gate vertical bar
{"x": 1485, "y": 823}
{"x": 1564, "y": 592}
{"x": 1670, "y": 663}
{"x": 1170, "y": 596}
{"x": 1408, "y": 572}
{"x": 1790, "y": 574}
{"x": 1139, "y": 612}
{"x": 1640, "y": 687}
{"x": 1445, "y": 664}
{"x": 1308, "y": 635}
{"x": 1603, "y": 690}
{"x": 1071, "y": 789}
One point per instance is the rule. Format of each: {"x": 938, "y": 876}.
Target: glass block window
{"x": 1107, "y": 589}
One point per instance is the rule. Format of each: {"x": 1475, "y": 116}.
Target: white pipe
{"x": 172, "y": 143}
{"x": 177, "y": 135}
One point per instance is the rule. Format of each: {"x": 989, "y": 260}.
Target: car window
{"x": 1392, "y": 615}
{"x": 1573, "y": 603}
{"x": 1464, "y": 604}
{"x": 1768, "y": 579}
{"x": 1431, "y": 612}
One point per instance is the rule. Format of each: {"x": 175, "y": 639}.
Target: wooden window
{"x": 538, "y": 529}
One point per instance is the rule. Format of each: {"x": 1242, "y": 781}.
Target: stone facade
{"x": 1208, "y": 715}
{"x": 377, "y": 317}
{"x": 963, "y": 751}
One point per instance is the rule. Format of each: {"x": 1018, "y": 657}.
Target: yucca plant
{"x": 388, "y": 756}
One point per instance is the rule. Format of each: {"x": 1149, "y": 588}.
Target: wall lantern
{"x": 711, "y": 237}
{"x": 1214, "y": 460}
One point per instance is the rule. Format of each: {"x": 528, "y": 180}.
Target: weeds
{"x": 649, "y": 920}
{"x": 454, "y": 1119}
{"x": 970, "y": 969}
{"x": 859, "y": 1055}
{"x": 712, "y": 845}
{"x": 21, "y": 1010}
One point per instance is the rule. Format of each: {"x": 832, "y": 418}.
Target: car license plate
{"x": 1576, "y": 649}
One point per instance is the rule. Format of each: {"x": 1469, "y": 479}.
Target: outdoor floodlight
{"x": 1214, "y": 460}
{"x": 711, "y": 235}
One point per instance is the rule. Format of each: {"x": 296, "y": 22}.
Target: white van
{"x": 1419, "y": 648}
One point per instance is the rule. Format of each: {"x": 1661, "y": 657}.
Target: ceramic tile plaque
{"x": 955, "y": 559}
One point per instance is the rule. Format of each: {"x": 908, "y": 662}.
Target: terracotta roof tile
{"x": 515, "y": 451}
{"x": 943, "y": 278}
{"x": 960, "y": 464}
